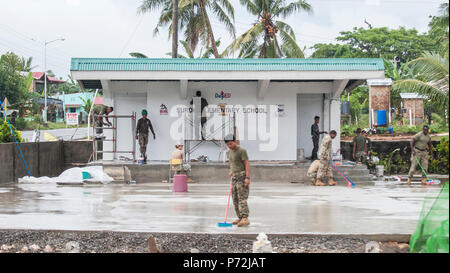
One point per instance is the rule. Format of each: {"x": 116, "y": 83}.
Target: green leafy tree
{"x": 431, "y": 78}
{"x": 12, "y": 85}
{"x": 382, "y": 42}
{"x": 358, "y": 100}
{"x": 269, "y": 37}
{"x": 439, "y": 29}
{"x": 194, "y": 18}
{"x": 332, "y": 51}
{"x": 15, "y": 63}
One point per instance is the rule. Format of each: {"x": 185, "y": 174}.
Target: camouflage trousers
{"x": 360, "y": 157}
{"x": 325, "y": 170}
{"x": 143, "y": 140}
{"x": 422, "y": 156}
{"x": 240, "y": 193}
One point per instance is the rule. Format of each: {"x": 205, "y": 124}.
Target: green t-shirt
{"x": 236, "y": 159}
{"x": 360, "y": 143}
{"x": 421, "y": 141}
{"x": 100, "y": 109}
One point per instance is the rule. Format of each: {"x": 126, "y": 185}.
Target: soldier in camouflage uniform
{"x": 359, "y": 147}
{"x": 240, "y": 177}
{"x": 99, "y": 111}
{"x": 419, "y": 144}
{"x": 142, "y": 133}
{"x": 315, "y": 134}
{"x": 325, "y": 170}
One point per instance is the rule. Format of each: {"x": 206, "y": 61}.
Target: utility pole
{"x": 45, "y": 78}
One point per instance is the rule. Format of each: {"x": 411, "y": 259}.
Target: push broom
{"x": 429, "y": 181}
{"x": 224, "y": 223}
{"x": 349, "y": 182}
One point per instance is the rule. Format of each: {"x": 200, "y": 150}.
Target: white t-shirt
{"x": 177, "y": 154}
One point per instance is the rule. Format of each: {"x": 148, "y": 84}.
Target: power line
{"x": 27, "y": 38}
{"x": 131, "y": 36}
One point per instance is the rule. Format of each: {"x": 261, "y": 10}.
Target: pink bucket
{"x": 180, "y": 183}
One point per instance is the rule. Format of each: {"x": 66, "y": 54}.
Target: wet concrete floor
{"x": 274, "y": 208}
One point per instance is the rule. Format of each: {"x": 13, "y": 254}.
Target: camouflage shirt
{"x": 325, "y": 148}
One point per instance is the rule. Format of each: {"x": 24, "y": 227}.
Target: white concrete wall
{"x": 134, "y": 95}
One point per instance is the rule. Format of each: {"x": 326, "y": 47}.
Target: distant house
{"x": 55, "y": 111}
{"x": 73, "y": 103}
{"x": 412, "y": 105}
{"x": 38, "y": 82}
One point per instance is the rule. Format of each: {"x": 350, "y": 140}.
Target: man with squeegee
{"x": 240, "y": 176}
{"x": 419, "y": 155}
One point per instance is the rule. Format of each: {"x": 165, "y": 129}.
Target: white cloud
{"x": 101, "y": 28}
{"x": 75, "y": 3}
{"x": 373, "y": 2}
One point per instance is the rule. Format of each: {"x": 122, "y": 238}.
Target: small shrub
{"x": 37, "y": 118}
{"x": 21, "y": 123}
{"x": 440, "y": 163}
{"x": 6, "y": 136}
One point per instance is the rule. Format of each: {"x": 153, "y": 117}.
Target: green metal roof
{"x": 169, "y": 64}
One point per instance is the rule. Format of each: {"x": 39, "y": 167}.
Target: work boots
{"x": 424, "y": 181}
{"x": 313, "y": 180}
{"x": 331, "y": 182}
{"x": 319, "y": 183}
{"x": 244, "y": 222}
{"x": 237, "y": 221}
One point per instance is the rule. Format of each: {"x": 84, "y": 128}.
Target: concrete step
{"x": 218, "y": 173}
{"x": 355, "y": 180}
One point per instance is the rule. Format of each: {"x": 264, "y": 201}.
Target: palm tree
{"x": 270, "y": 37}
{"x": 137, "y": 55}
{"x": 431, "y": 78}
{"x": 194, "y": 19}
{"x": 189, "y": 52}
{"x": 175, "y": 30}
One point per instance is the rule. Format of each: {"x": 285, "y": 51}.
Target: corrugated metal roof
{"x": 168, "y": 64}
{"x": 412, "y": 96}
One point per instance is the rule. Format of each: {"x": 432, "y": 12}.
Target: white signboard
{"x": 72, "y": 118}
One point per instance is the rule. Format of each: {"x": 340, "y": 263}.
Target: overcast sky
{"x": 112, "y": 28}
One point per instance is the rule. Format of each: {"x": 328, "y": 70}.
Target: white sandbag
{"x": 72, "y": 175}
{"x": 262, "y": 244}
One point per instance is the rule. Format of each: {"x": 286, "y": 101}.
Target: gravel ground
{"x": 35, "y": 241}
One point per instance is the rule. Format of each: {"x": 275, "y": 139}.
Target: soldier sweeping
{"x": 359, "y": 147}
{"x": 240, "y": 175}
{"x": 142, "y": 133}
{"x": 419, "y": 145}
{"x": 325, "y": 169}
{"x": 312, "y": 171}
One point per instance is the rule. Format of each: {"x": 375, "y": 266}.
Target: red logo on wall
{"x": 222, "y": 95}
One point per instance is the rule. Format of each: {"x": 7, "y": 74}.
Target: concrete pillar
{"x": 379, "y": 98}
{"x": 108, "y": 100}
{"x": 335, "y": 122}
{"x": 326, "y": 112}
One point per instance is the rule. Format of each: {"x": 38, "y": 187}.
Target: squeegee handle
{"x": 426, "y": 175}
{"x": 229, "y": 195}
{"x": 343, "y": 175}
